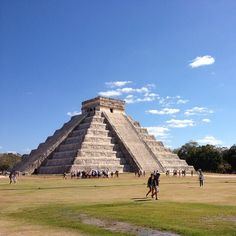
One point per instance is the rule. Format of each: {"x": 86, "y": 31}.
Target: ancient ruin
{"x": 103, "y": 137}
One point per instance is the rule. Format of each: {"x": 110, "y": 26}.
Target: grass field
{"x": 50, "y": 205}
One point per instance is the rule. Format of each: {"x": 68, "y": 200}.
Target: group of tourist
{"x": 153, "y": 184}
{"x": 91, "y": 174}
{"x": 154, "y": 180}
{"x": 140, "y": 173}
{"x": 178, "y": 173}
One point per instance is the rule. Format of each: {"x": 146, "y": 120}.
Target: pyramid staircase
{"x": 144, "y": 158}
{"x": 87, "y": 147}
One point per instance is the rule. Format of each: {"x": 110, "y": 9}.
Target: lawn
{"x": 50, "y": 205}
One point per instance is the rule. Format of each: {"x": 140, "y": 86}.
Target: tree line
{"x": 209, "y": 157}
{"x": 8, "y": 160}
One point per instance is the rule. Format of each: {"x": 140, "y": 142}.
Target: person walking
{"x": 156, "y": 184}
{"x": 201, "y": 178}
{"x": 149, "y": 184}
{"x": 11, "y": 178}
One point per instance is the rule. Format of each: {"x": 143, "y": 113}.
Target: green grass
{"x": 184, "y": 218}
{"x": 54, "y": 203}
{"x": 59, "y": 216}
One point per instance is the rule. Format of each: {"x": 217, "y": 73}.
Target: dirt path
{"x": 123, "y": 227}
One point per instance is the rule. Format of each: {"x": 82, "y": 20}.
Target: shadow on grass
{"x": 144, "y": 199}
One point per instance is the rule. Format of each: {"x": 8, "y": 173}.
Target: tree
{"x": 207, "y": 157}
{"x": 230, "y": 157}
{"x": 188, "y": 152}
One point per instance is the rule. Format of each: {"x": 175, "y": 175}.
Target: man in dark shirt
{"x": 155, "y": 188}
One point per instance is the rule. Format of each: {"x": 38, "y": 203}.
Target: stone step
{"x": 98, "y": 126}
{"x": 147, "y": 137}
{"x": 159, "y": 149}
{"x": 173, "y": 163}
{"x": 65, "y": 154}
{"x": 54, "y": 169}
{"x": 97, "y": 153}
{"x": 97, "y": 161}
{"x": 167, "y": 156}
{"x": 95, "y": 132}
{"x": 97, "y": 139}
{"x": 73, "y": 140}
{"x": 68, "y": 147}
{"x": 154, "y": 143}
{"x": 97, "y": 146}
{"x": 78, "y": 132}
{"x": 96, "y": 119}
{"x": 134, "y": 122}
{"x": 142, "y": 130}
{"x": 61, "y": 161}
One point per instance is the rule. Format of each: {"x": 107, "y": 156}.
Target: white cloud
{"x": 198, "y": 111}
{"x": 142, "y": 90}
{"x": 210, "y": 140}
{"x": 141, "y": 94}
{"x": 73, "y": 113}
{"x": 206, "y": 120}
{"x": 110, "y": 93}
{"x": 133, "y": 95}
{"x": 165, "y": 101}
{"x": 151, "y": 86}
{"x": 165, "y": 111}
{"x": 133, "y": 90}
{"x": 172, "y": 100}
{"x": 202, "y": 61}
{"x": 126, "y": 90}
{"x": 130, "y": 99}
{"x": 158, "y": 131}
{"x": 120, "y": 91}
{"x": 133, "y": 99}
{"x": 152, "y": 95}
{"x": 182, "y": 101}
{"x": 145, "y": 99}
{"x": 117, "y": 83}
{"x": 180, "y": 123}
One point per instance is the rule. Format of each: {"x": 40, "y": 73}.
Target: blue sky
{"x": 172, "y": 61}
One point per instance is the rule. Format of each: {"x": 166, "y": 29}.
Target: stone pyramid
{"x": 103, "y": 137}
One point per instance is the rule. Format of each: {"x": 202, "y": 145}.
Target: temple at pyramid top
{"x": 103, "y": 104}
{"x": 102, "y": 137}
